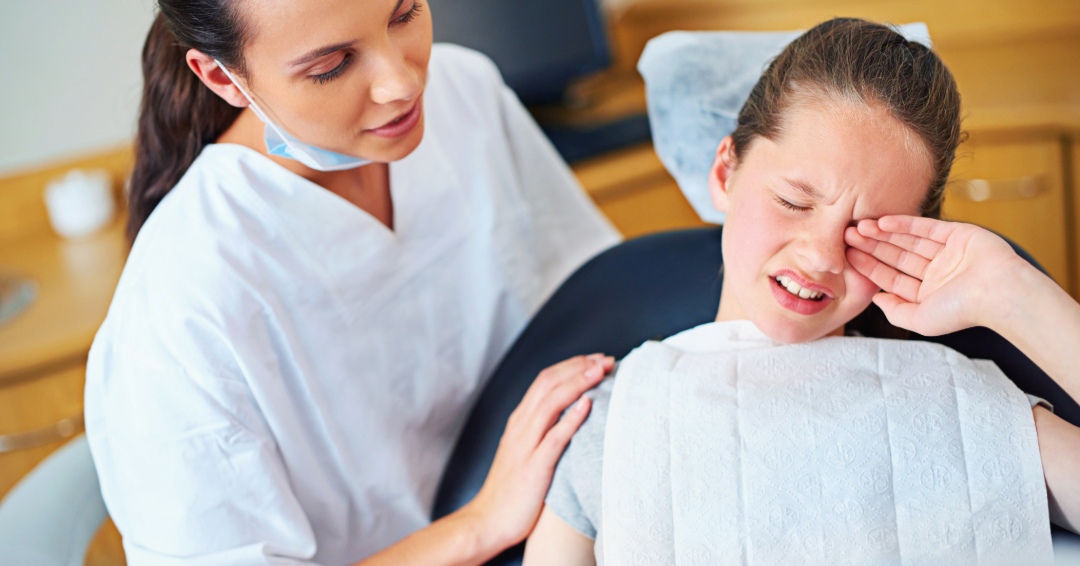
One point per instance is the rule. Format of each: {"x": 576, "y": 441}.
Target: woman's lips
{"x": 798, "y": 304}
{"x": 402, "y": 124}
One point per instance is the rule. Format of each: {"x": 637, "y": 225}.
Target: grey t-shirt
{"x": 575, "y": 490}
{"x": 574, "y": 495}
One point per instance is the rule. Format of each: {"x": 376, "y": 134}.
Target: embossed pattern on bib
{"x": 841, "y": 451}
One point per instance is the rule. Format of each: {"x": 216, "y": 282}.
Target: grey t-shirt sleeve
{"x": 1037, "y": 401}
{"x": 574, "y": 495}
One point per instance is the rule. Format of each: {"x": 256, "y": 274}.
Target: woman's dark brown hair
{"x": 852, "y": 60}
{"x": 179, "y": 115}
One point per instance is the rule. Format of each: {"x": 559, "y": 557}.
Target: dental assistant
{"x": 338, "y": 231}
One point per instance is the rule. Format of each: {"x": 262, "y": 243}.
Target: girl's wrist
{"x": 1009, "y": 307}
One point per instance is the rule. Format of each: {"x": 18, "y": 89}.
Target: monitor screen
{"x": 539, "y": 45}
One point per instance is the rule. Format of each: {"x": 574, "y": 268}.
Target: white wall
{"x": 70, "y": 77}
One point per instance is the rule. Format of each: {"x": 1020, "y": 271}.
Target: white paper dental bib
{"x": 724, "y": 447}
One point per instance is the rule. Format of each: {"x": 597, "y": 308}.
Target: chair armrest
{"x": 50, "y": 517}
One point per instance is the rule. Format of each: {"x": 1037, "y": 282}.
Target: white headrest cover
{"x": 696, "y": 83}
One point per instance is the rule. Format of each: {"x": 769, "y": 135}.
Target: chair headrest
{"x": 696, "y": 83}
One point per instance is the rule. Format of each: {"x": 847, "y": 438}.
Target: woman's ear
{"x": 720, "y": 174}
{"x": 208, "y": 71}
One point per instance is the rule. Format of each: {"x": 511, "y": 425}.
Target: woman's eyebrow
{"x": 324, "y": 51}
{"x": 806, "y": 188}
{"x": 320, "y": 52}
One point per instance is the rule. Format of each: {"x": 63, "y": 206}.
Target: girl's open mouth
{"x": 797, "y": 290}
{"x": 796, "y": 297}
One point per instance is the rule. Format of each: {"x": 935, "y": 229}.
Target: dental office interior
{"x": 68, "y": 111}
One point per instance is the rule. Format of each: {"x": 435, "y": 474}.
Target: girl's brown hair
{"x": 179, "y": 115}
{"x": 848, "y": 59}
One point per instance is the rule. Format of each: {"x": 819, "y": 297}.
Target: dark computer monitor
{"x": 539, "y": 45}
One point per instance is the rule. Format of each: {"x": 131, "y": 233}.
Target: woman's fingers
{"x": 556, "y": 388}
{"x": 555, "y": 402}
{"x": 872, "y": 230}
{"x": 556, "y": 439}
{"x": 551, "y": 377}
{"x": 909, "y": 262}
{"x": 890, "y": 280}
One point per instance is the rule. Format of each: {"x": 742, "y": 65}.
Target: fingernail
{"x": 579, "y": 406}
{"x": 594, "y": 372}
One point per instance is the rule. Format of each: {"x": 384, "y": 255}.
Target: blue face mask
{"x": 279, "y": 142}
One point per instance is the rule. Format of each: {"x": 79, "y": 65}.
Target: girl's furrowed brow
{"x": 805, "y": 188}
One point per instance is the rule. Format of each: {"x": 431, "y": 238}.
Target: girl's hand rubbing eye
{"x": 937, "y": 277}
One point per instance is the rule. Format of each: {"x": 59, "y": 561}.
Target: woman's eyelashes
{"x": 348, "y": 59}
{"x": 790, "y": 205}
{"x": 336, "y": 72}
{"x": 410, "y": 14}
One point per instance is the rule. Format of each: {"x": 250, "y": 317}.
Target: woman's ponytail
{"x": 179, "y": 115}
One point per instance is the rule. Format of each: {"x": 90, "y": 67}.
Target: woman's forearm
{"x": 459, "y": 539}
{"x": 1043, "y": 321}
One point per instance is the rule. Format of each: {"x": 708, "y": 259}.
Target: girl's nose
{"x": 824, "y": 251}
{"x": 395, "y": 79}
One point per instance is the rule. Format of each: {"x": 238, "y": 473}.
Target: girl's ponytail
{"x": 179, "y": 115}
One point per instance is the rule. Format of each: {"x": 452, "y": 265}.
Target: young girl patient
{"x": 768, "y": 437}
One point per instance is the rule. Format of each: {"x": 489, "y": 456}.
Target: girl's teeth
{"x": 794, "y": 288}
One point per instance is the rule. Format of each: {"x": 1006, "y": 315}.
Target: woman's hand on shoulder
{"x": 938, "y": 276}
{"x": 509, "y": 503}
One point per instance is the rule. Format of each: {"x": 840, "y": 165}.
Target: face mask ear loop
{"x": 280, "y": 143}
{"x": 255, "y": 107}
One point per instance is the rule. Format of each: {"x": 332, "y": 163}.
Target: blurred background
{"x": 72, "y": 87}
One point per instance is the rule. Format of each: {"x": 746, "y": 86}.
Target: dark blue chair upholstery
{"x": 649, "y": 288}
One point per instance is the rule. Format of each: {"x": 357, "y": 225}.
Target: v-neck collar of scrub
{"x": 349, "y": 246}
{"x": 299, "y": 204}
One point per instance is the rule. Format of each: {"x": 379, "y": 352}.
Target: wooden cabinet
{"x": 1015, "y": 185}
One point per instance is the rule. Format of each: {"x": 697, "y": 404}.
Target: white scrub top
{"x": 281, "y": 378}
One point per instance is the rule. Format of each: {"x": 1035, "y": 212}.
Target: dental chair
{"x": 647, "y": 289}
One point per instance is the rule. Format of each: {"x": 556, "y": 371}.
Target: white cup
{"x": 80, "y": 203}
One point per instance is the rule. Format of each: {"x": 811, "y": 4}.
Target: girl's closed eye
{"x": 790, "y": 205}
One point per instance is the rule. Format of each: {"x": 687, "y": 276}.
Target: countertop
{"x": 75, "y": 283}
